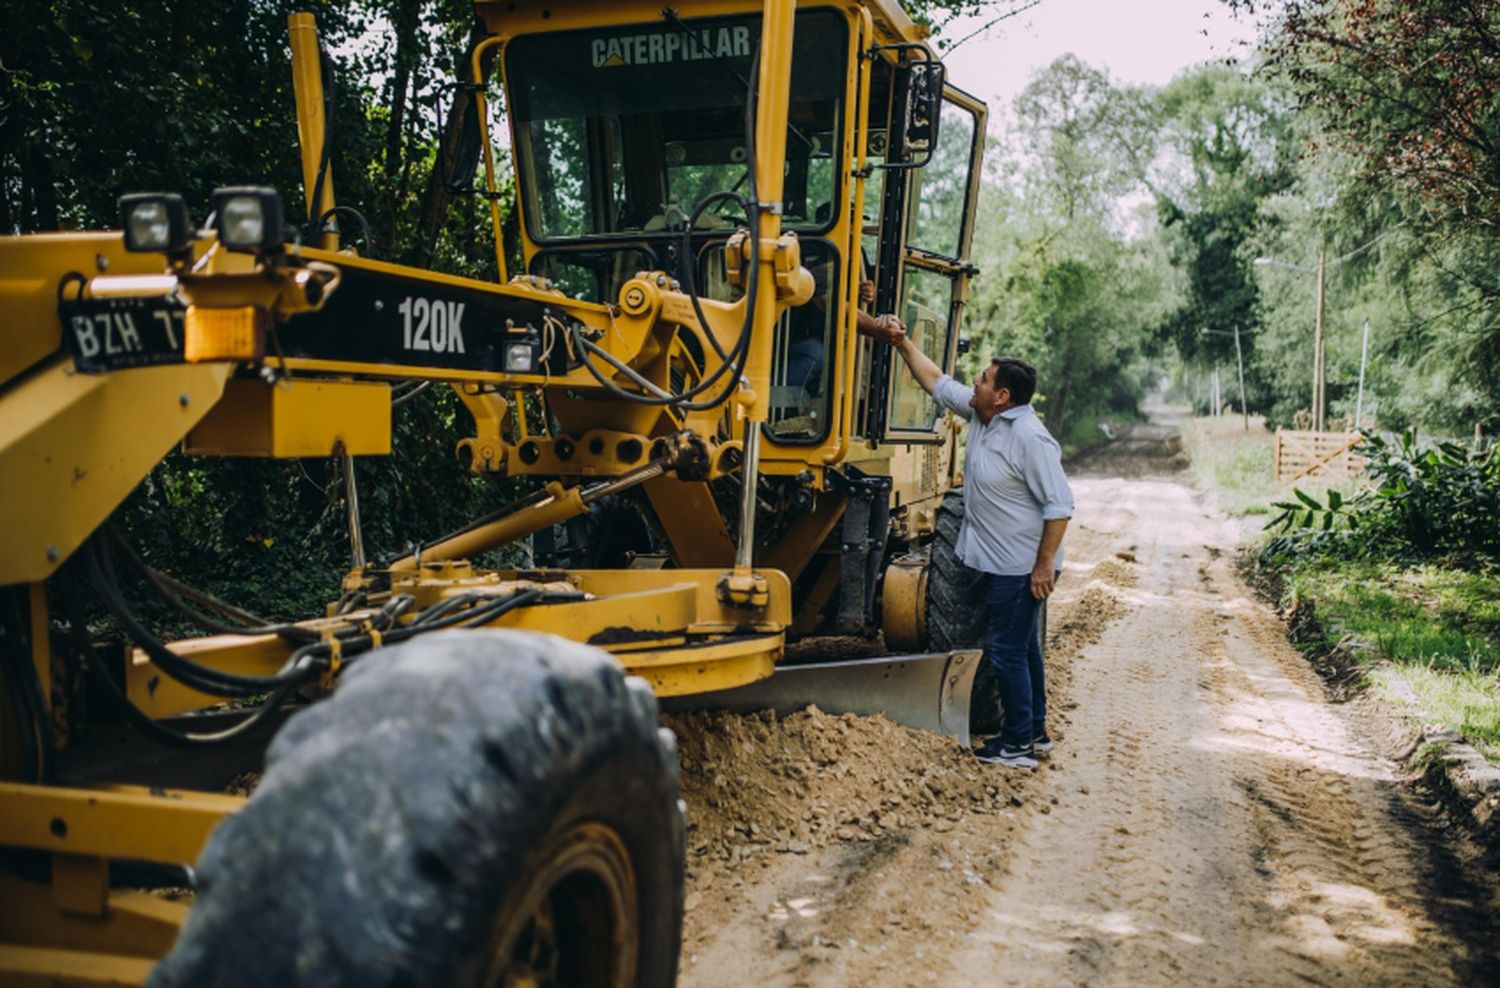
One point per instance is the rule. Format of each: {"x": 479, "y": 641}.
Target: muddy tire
{"x": 471, "y": 807}
{"x": 955, "y": 611}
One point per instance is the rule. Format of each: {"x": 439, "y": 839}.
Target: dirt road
{"x": 1207, "y": 817}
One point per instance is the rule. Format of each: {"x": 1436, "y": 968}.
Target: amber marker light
{"x": 223, "y": 333}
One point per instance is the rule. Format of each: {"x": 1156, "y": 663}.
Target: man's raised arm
{"x": 923, "y": 369}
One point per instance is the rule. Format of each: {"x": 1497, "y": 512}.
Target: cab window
{"x": 623, "y": 131}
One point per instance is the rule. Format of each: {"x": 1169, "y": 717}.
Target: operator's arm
{"x": 884, "y": 327}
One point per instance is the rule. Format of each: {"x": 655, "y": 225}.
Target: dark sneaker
{"x": 995, "y": 753}
{"x": 1042, "y": 744}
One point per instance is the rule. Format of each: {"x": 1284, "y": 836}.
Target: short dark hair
{"x": 1017, "y": 376}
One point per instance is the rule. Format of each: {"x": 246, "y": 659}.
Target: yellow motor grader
{"x": 474, "y": 787}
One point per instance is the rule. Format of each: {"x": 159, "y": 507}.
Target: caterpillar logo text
{"x": 671, "y": 46}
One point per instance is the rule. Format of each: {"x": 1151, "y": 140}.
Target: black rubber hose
{"x": 364, "y": 225}
{"x": 137, "y": 718}
{"x": 172, "y": 591}
{"x": 199, "y": 677}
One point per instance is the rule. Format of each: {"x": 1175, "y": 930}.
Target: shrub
{"x": 1442, "y": 502}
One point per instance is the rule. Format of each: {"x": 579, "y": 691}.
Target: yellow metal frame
{"x": 689, "y": 630}
{"x": 66, "y": 461}
{"x": 886, "y": 23}
{"x": 296, "y": 417}
{"x": 669, "y": 626}
{"x": 75, "y": 929}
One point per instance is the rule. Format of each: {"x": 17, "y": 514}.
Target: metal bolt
{"x": 379, "y": 305}
{"x": 101, "y": 262}
{"x": 184, "y": 399}
{"x": 661, "y": 281}
{"x": 52, "y": 554}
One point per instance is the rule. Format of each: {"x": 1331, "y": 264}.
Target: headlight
{"x": 248, "y": 218}
{"x": 155, "y": 221}
{"x": 520, "y": 357}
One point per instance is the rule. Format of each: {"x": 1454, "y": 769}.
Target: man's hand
{"x": 866, "y": 292}
{"x": 1042, "y": 579}
{"x": 889, "y": 329}
{"x": 1044, "y": 573}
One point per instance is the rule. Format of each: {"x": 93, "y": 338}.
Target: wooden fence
{"x": 1324, "y": 454}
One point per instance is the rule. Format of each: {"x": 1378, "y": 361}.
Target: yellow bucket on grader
{"x": 486, "y": 795}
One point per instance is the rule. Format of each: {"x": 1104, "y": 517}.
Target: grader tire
{"x": 955, "y": 611}
{"x": 483, "y": 807}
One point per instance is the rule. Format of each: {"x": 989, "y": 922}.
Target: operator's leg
{"x": 1010, "y": 638}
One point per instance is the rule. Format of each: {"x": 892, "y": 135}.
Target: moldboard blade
{"x": 928, "y": 692}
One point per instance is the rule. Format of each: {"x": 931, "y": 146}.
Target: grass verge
{"x": 1427, "y": 639}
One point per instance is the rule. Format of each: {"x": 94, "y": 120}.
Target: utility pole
{"x": 1240, "y": 356}
{"x": 1320, "y": 403}
{"x": 1359, "y": 402}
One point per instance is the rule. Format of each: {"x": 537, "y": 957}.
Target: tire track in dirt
{"x": 1218, "y": 825}
{"x": 1207, "y": 817}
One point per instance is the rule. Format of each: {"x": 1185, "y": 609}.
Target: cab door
{"x": 932, "y": 281}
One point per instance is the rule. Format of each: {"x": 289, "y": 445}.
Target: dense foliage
{"x": 1399, "y": 115}
{"x": 101, "y": 99}
{"x": 1116, "y": 224}
{"x": 1422, "y": 504}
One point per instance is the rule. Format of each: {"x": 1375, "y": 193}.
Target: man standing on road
{"x": 1016, "y": 507}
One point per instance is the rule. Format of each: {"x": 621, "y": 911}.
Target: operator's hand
{"x": 866, "y": 292}
{"x": 889, "y": 329}
{"x": 1043, "y": 577}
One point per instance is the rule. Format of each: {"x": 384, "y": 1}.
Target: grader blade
{"x": 928, "y": 692}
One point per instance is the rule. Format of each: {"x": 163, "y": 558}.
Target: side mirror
{"x": 964, "y": 345}
{"x": 464, "y": 118}
{"x": 923, "y": 106}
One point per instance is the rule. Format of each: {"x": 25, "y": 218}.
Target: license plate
{"x": 106, "y": 334}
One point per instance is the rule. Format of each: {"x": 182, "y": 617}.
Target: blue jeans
{"x": 1013, "y": 648}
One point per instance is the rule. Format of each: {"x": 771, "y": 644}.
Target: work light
{"x": 155, "y": 221}
{"x": 520, "y": 356}
{"x": 248, "y": 218}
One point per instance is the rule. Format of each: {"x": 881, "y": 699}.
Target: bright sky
{"x": 1137, "y": 41}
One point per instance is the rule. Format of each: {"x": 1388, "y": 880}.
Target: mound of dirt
{"x": 758, "y": 783}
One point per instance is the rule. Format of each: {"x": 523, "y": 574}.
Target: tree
{"x": 102, "y": 99}
{"x": 1405, "y": 92}
{"x": 1225, "y": 146}
{"x": 1079, "y": 279}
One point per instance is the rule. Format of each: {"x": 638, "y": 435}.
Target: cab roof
{"x": 512, "y": 17}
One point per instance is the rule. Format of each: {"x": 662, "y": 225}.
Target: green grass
{"x": 1435, "y": 635}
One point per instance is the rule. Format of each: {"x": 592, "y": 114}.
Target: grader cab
{"x": 722, "y": 465}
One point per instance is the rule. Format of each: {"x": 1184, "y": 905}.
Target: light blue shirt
{"x": 1013, "y": 482}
